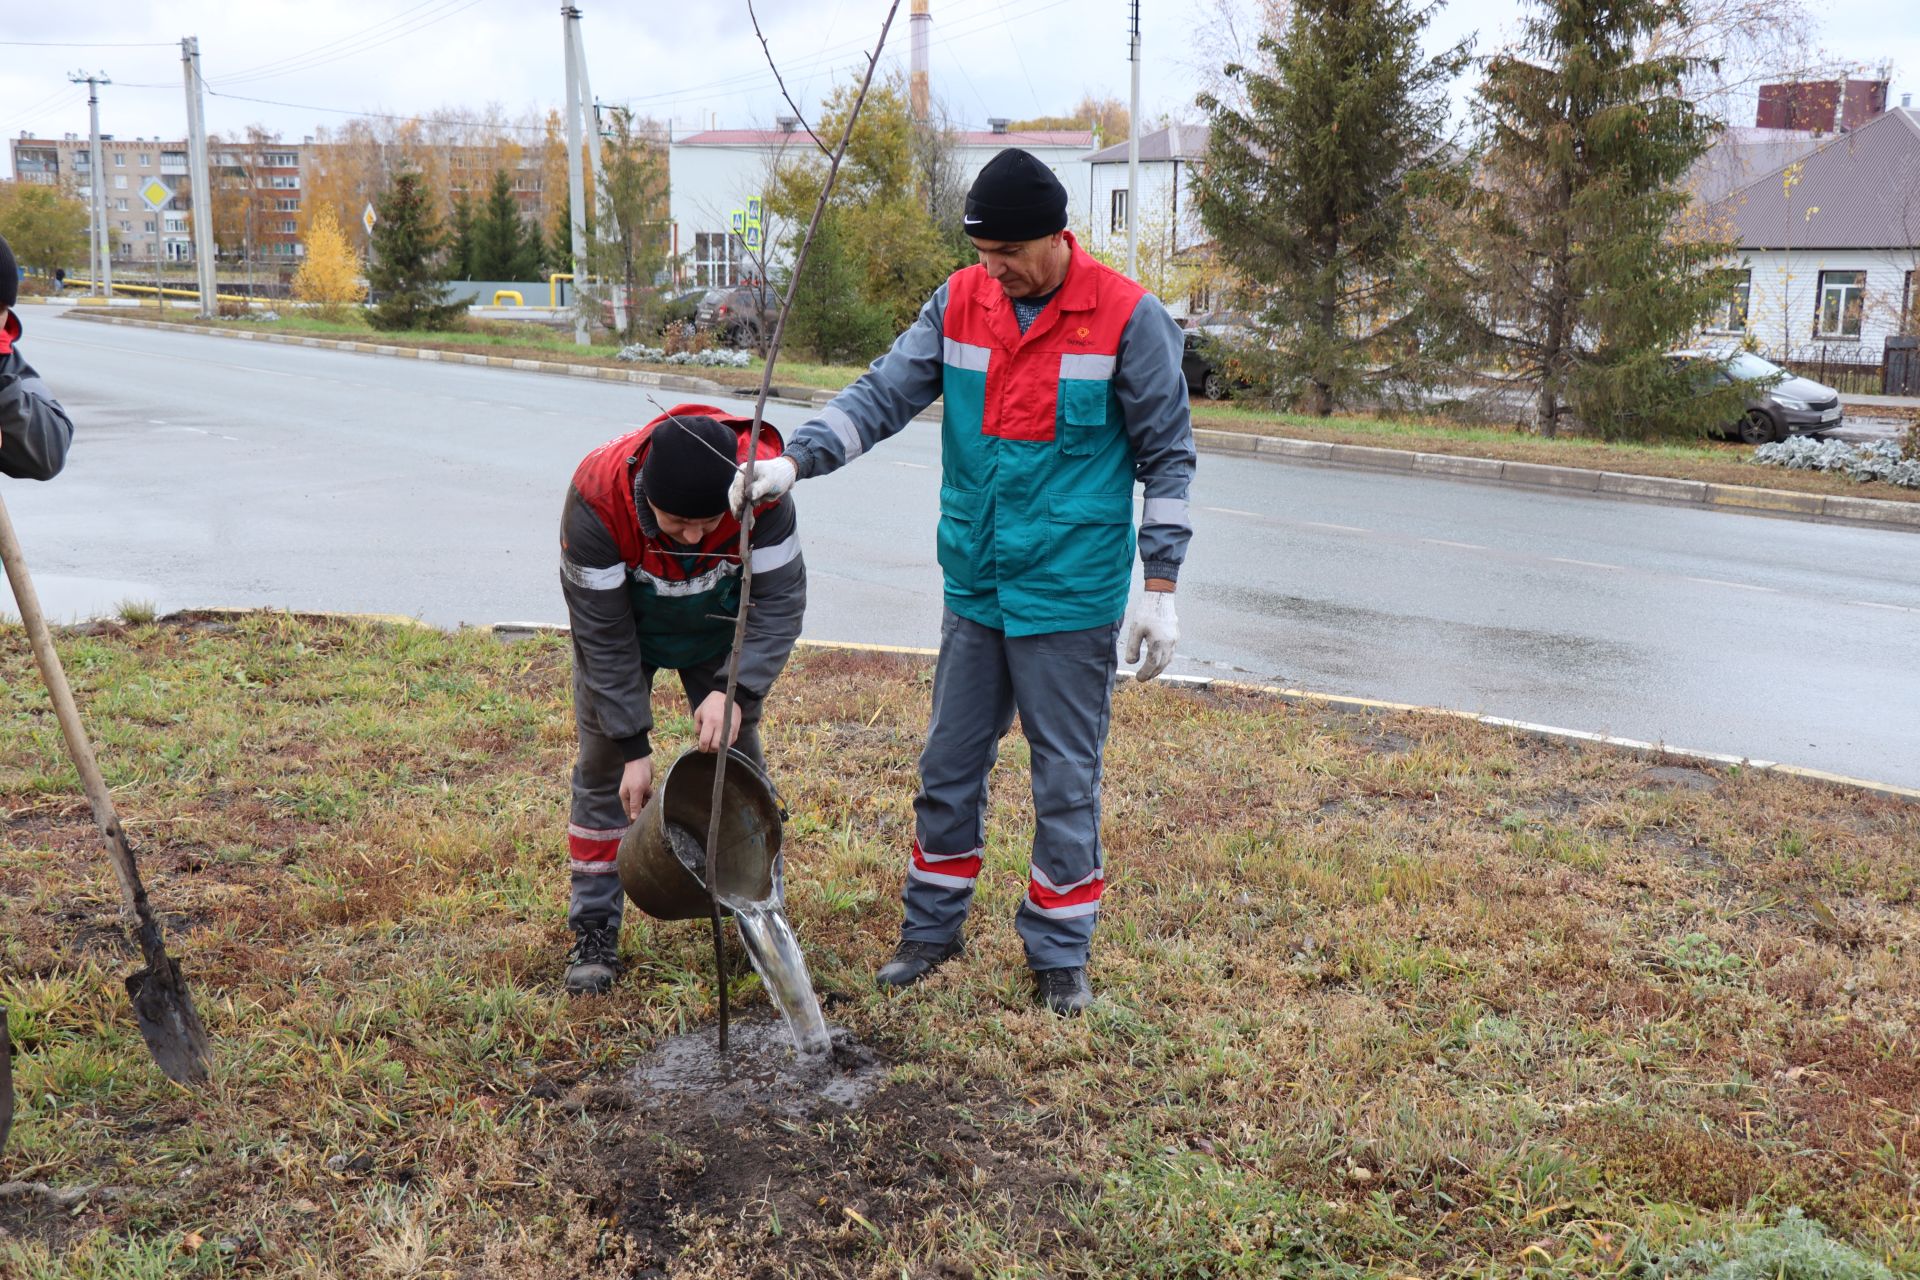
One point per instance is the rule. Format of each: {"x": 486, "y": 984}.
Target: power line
{"x": 375, "y": 115}
{"x": 271, "y": 63}
{"x": 88, "y": 44}
{"x": 355, "y": 50}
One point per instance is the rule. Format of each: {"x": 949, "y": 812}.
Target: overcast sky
{"x": 1011, "y": 58}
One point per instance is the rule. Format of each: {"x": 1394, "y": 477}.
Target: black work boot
{"x": 1063, "y": 991}
{"x": 913, "y": 961}
{"x": 594, "y": 962}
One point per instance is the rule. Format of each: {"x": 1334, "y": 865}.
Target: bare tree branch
{"x": 797, "y": 113}
{"x": 746, "y": 515}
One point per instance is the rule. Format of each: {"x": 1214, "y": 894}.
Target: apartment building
{"x": 138, "y": 232}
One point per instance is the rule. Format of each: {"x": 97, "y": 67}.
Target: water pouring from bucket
{"x": 662, "y": 865}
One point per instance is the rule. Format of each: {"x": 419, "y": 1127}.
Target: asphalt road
{"x": 213, "y": 472}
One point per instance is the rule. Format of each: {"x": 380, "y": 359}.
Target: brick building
{"x": 129, "y": 162}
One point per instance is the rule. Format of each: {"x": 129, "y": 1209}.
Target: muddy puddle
{"x": 760, "y": 1074}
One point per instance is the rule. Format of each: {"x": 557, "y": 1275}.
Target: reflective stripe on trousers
{"x": 1062, "y": 686}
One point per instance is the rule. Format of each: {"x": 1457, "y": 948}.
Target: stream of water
{"x": 772, "y": 947}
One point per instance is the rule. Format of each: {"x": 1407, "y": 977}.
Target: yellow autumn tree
{"x": 329, "y": 279}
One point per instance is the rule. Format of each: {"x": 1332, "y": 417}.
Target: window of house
{"x": 147, "y": 227}
{"x": 718, "y": 257}
{"x": 120, "y": 159}
{"x": 119, "y": 182}
{"x": 1733, "y": 317}
{"x": 290, "y": 227}
{"x": 146, "y": 159}
{"x": 1843, "y": 296}
{"x": 287, "y": 206}
{"x": 1119, "y": 219}
{"x": 120, "y": 204}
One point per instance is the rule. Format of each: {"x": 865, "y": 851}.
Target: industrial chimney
{"x": 921, "y": 29}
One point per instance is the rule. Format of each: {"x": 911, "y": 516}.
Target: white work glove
{"x": 771, "y": 480}
{"x": 1151, "y": 633}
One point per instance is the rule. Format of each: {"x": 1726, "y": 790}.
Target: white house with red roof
{"x": 717, "y": 172}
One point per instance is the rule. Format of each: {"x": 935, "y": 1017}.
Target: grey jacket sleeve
{"x": 779, "y": 600}
{"x": 1152, "y": 392}
{"x": 606, "y": 644}
{"x": 34, "y": 430}
{"x": 885, "y": 398}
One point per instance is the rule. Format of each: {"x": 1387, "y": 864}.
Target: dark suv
{"x": 740, "y": 313}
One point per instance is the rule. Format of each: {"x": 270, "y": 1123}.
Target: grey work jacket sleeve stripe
{"x": 881, "y": 402}
{"x": 779, "y": 600}
{"x": 1152, "y": 392}
{"x": 34, "y": 430}
{"x": 606, "y": 644}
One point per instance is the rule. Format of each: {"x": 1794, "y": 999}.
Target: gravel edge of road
{"x": 1746, "y": 499}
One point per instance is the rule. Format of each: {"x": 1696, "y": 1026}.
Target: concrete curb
{"x": 510, "y": 631}
{"x": 1876, "y": 512}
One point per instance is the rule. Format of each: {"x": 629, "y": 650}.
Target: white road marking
{"x": 1233, "y": 511}
{"x": 1875, "y": 604}
{"x": 1444, "y": 542}
{"x": 917, "y": 466}
{"x": 1344, "y": 528}
{"x": 1743, "y": 586}
{"x": 1587, "y": 564}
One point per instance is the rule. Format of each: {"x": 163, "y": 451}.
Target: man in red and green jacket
{"x": 650, "y": 567}
{"x": 1061, "y": 388}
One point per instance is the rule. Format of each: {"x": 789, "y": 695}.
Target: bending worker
{"x": 1061, "y": 386}
{"x": 650, "y": 567}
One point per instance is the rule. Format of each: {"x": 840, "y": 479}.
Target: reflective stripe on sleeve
{"x": 783, "y": 552}
{"x": 844, "y": 430}
{"x": 610, "y": 578}
{"x": 1171, "y": 511}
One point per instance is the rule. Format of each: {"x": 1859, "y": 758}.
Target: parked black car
{"x": 1782, "y": 404}
{"x": 1202, "y": 363}
{"x": 738, "y": 313}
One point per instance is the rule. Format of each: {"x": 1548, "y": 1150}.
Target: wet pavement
{"x": 212, "y": 472}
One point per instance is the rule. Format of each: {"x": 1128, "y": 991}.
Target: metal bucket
{"x": 663, "y": 886}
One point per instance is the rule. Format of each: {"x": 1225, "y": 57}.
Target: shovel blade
{"x": 6, "y": 1082}
{"x": 170, "y": 1024}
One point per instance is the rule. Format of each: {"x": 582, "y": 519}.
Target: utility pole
{"x": 100, "y": 255}
{"x": 1133, "y": 151}
{"x": 576, "y": 181}
{"x": 201, "y": 185}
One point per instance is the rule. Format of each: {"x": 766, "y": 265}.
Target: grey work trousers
{"x": 1062, "y": 686}
{"x": 597, "y": 820}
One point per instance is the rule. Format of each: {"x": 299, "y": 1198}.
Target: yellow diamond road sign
{"x": 367, "y": 217}
{"x": 156, "y": 193}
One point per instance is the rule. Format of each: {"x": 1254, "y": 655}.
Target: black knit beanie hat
{"x": 9, "y": 275}
{"x": 690, "y": 466}
{"x": 1015, "y": 198}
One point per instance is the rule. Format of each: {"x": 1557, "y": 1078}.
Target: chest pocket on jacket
{"x": 1083, "y": 412}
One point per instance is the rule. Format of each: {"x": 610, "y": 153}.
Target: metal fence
{"x": 1850, "y": 370}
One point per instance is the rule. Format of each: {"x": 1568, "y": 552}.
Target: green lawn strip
{"x": 1380, "y": 995}
{"x": 514, "y": 339}
{"x": 1715, "y": 462}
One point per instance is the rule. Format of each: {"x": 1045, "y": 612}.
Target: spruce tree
{"x": 408, "y": 269}
{"x": 559, "y": 253}
{"x": 1306, "y": 190}
{"x": 1579, "y": 268}
{"x": 460, "y": 237}
{"x": 498, "y": 242}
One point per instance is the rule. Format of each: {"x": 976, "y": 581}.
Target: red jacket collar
{"x": 11, "y": 333}
{"x": 1078, "y": 292}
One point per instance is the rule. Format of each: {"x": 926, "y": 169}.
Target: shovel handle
{"x": 78, "y": 746}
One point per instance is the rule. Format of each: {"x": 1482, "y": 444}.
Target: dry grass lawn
{"x": 1380, "y": 996}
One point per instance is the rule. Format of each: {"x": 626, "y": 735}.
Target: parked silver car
{"x": 1782, "y": 404}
